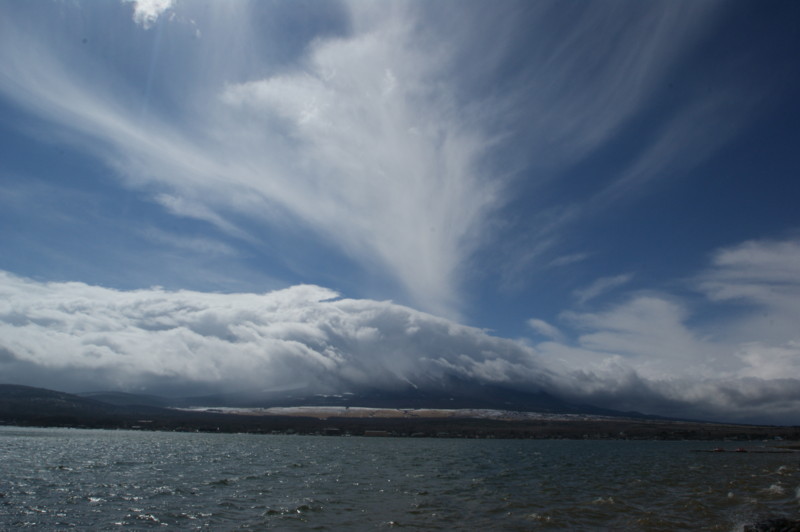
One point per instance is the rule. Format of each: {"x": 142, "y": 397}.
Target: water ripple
{"x": 139, "y": 480}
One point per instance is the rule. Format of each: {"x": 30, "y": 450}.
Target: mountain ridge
{"x": 29, "y": 406}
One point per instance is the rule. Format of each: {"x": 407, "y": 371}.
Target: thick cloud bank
{"x": 643, "y": 353}
{"x": 71, "y": 335}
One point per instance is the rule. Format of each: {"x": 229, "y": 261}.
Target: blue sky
{"x": 597, "y": 199}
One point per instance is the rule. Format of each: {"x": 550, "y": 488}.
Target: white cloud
{"x": 367, "y": 141}
{"x": 645, "y": 353}
{"x": 545, "y": 329}
{"x": 566, "y": 260}
{"x": 691, "y": 135}
{"x": 649, "y": 350}
{"x": 182, "y": 206}
{"x": 585, "y": 73}
{"x": 600, "y": 287}
{"x": 197, "y": 244}
{"x": 771, "y": 361}
{"x": 146, "y": 12}
{"x": 361, "y": 144}
{"x": 760, "y": 271}
{"x": 649, "y": 331}
{"x": 74, "y": 334}
{"x": 386, "y": 166}
{"x": 762, "y": 280}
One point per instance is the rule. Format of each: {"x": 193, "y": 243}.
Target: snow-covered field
{"x": 324, "y": 412}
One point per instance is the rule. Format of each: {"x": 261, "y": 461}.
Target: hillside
{"x": 28, "y": 406}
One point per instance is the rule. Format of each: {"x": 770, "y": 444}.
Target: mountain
{"x": 28, "y": 406}
{"x": 17, "y": 400}
{"x": 451, "y": 394}
{"x": 130, "y": 399}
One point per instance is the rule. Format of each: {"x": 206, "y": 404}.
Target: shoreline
{"x": 412, "y": 423}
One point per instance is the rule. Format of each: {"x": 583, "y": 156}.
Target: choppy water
{"x": 65, "y": 478}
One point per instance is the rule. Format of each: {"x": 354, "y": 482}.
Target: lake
{"x": 70, "y": 478}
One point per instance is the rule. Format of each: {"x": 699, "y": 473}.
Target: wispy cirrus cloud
{"x": 367, "y": 140}
{"x": 360, "y": 144}
{"x": 380, "y": 160}
{"x": 545, "y": 329}
{"x": 580, "y": 72}
{"x": 193, "y": 244}
{"x": 692, "y": 134}
{"x": 601, "y": 286}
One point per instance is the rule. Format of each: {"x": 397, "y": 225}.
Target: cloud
{"x": 761, "y": 279}
{"x": 70, "y": 335}
{"x": 359, "y": 144}
{"x": 691, "y": 135}
{"x": 566, "y": 260}
{"x": 765, "y": 361}
{"x": 645, "y": 353}
{"x": 375, "y": 139}
{"x": 587, "y": 70}
{"x": 392, "y": 138}
{"x": 387, "y": 166}
{"x": 614, "y": 80}
{"x": 600, "y": 287}
{"x": 181, "y": 206}
{"x": 764, "y": 272}
{"x": 195, "y": 245}
{"x": 650, "y": 350}
{"x": 146, "y": 12}
{"x": 368, "y": 141}
{"x": 545, "y": 329}
{"x": 649, "y": 331}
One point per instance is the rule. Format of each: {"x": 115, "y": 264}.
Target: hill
{"x": 28, "y": 406}
{"x": 27, "y": 401}
{"x": 130, "y": 399}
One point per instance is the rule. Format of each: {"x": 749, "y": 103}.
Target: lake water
{"x": 65, "y": 478}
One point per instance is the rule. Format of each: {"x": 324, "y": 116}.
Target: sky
{"x": 597, "y": 200}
